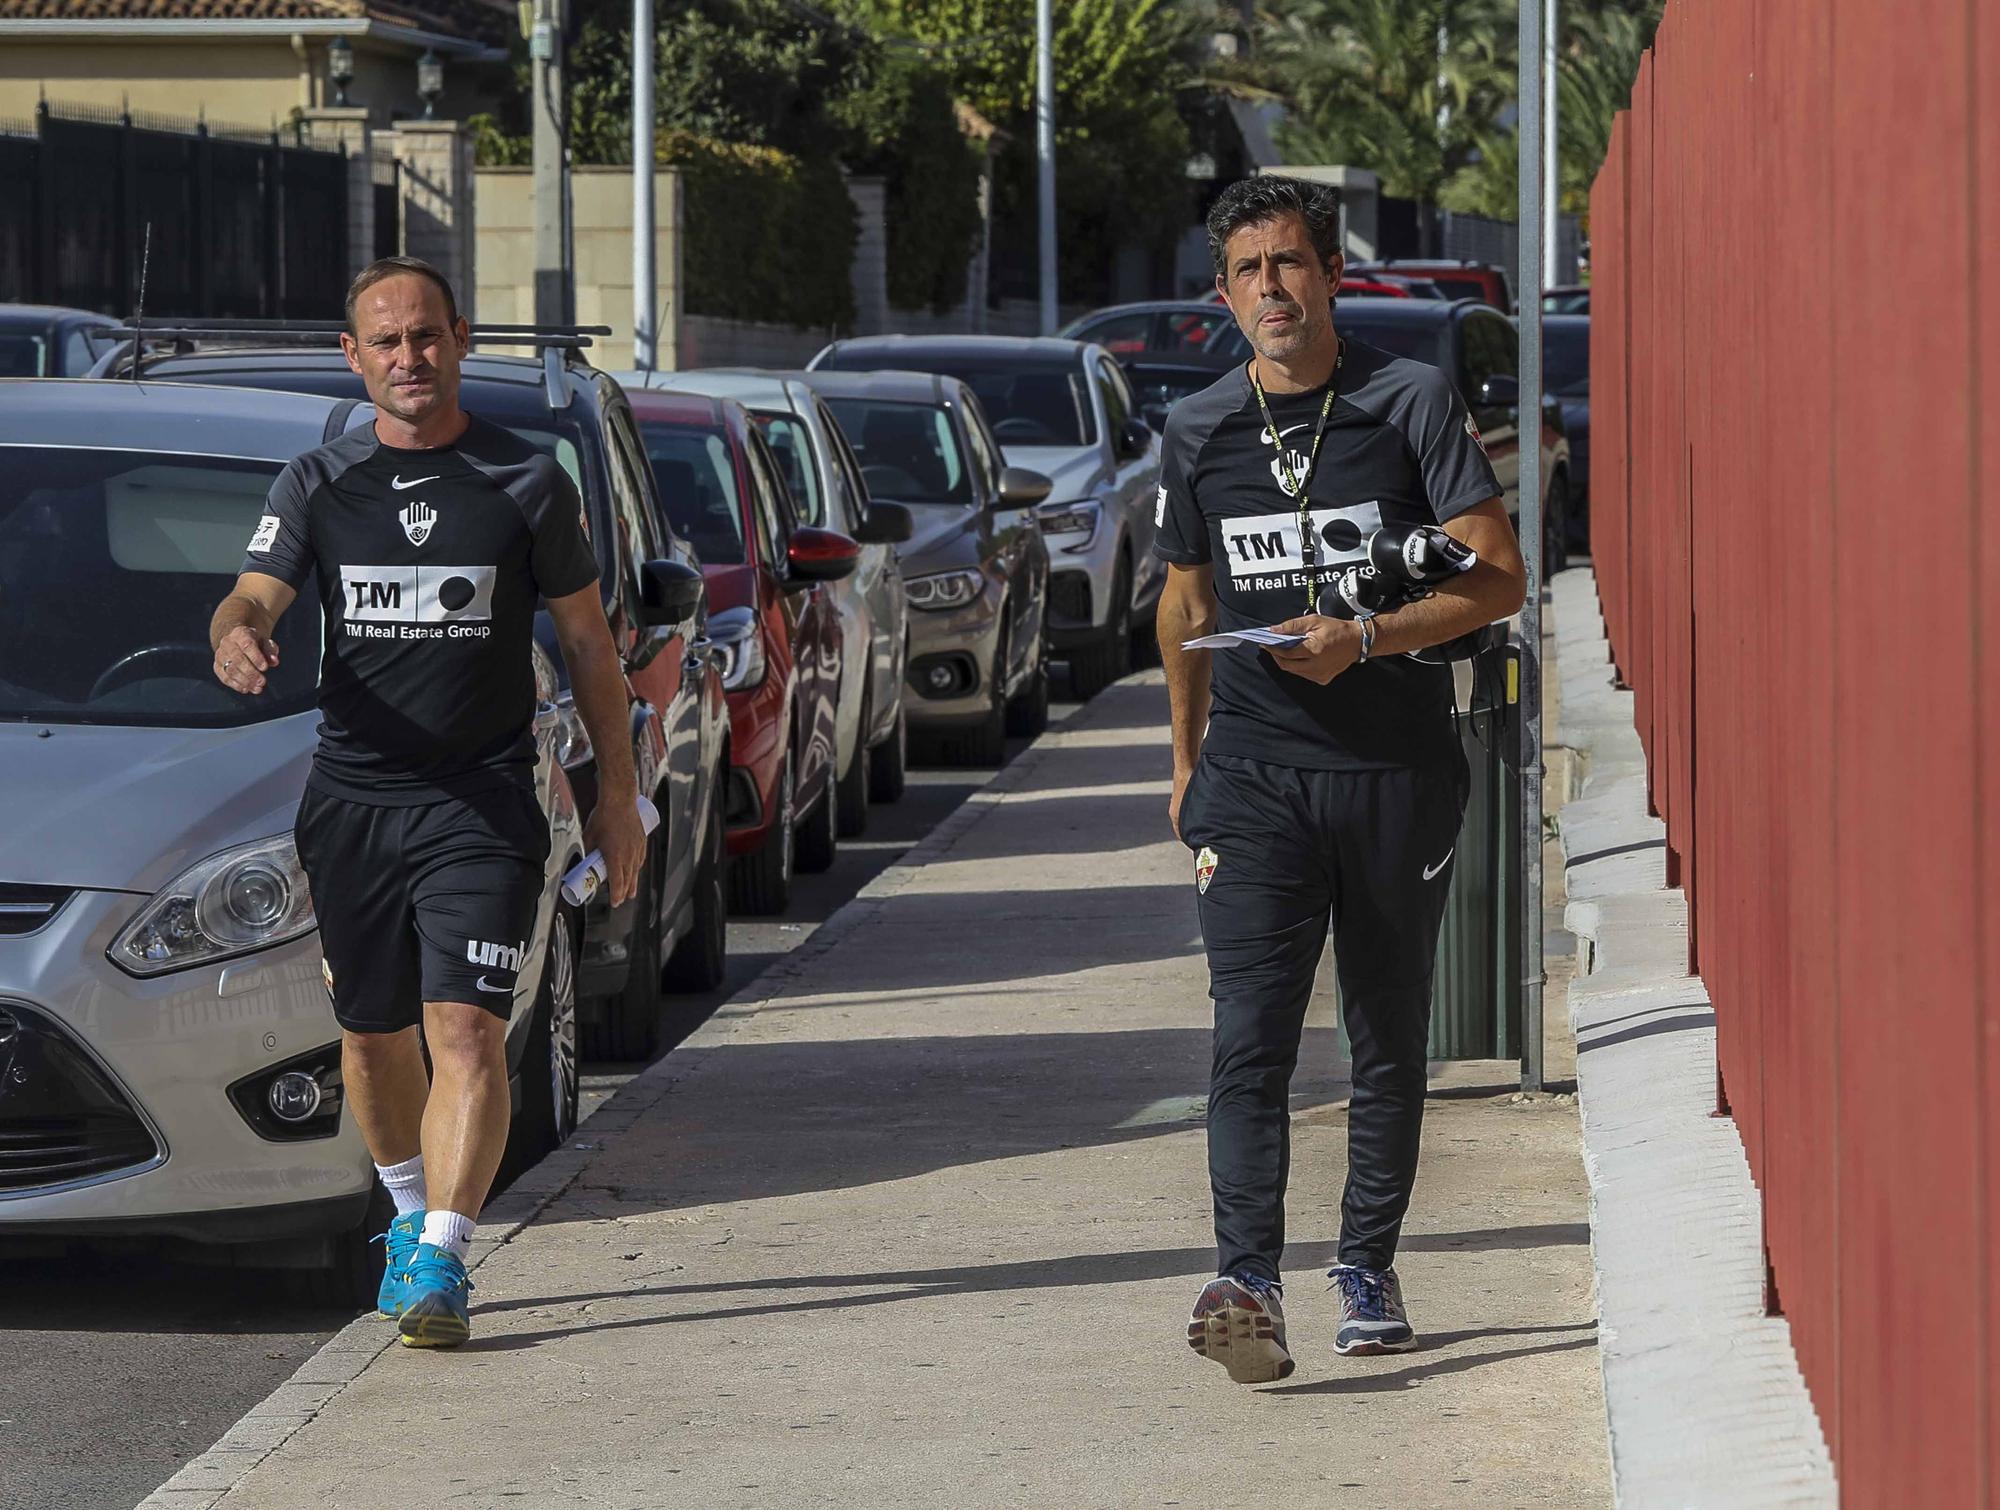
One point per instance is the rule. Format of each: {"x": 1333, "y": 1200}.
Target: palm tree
{"x": 1403, "y": 88}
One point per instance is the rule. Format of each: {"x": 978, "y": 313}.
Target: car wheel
{"x": 1092, "y": 668}
{"x": 1555, "y": 528}
{"x": 819, "y": 833}
{"x": 549, "y": 1081}
{"x": 889, "y": 763}
{"x": 352, "y": 1273}
{"x": 854, "y": 781}
{"x": 702, "y": 959}
{"x": 761, "y": 883}
{"x": 630, "y": 1025}
{"x": 1028, "y": 712}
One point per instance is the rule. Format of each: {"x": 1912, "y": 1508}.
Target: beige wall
{"x": 602, "y": 206}
{"x": 232, "y": 81}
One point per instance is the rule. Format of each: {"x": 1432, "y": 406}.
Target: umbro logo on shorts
{"x": 417, "y": 594}
{"x": 496, "y": 956}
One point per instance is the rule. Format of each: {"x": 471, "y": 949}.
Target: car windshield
{"x": 908, "y": 452}
{"x": 1031, "y": 406}
{"x": 1566, "y": 360}
{"x": 696, "y": 479}
{"x": 111, "y": 564}
{"x": 1417, "y": 340}
{"x": 23, "y": 355}
{"x": 793, "y": 447}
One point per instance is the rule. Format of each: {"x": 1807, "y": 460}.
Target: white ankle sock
{"x": 405, "y": 1184}
{"x": 449, "y": 1231}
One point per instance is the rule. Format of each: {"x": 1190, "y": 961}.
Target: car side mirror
{"x": 1134, "y": 437}
{"x": 669, "y": 592}
{"x": 817, "y": 555}
{"x": 1500, "y": 392}
{"x": 1021, "y": 488}
{"x": 885, "y": 524}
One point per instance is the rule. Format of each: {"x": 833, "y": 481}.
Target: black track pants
{"x": 1292, "y": 851}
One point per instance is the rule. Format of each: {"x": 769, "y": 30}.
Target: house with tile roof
{"x": 251, "y": 62}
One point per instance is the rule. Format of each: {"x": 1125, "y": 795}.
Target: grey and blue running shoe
{"x": 401, "y": 1240}
{"x": 434, "y": 1303}
{"x": 1239, "y": 1321}
{"x": 1372, "y": 1318}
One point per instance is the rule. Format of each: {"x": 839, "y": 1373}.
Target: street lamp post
{"x": 645, "y": 335}
{"x": 1045, "y": 158}
{"x": 1551, "y": 164}
{"x": 1530, "y": 430}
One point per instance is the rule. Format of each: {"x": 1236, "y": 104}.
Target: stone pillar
{"x": 347, "y": 127}
{"x": 977, "y": 275}
{"x": 436, "y": 180}
{"x": 871, "y": 254}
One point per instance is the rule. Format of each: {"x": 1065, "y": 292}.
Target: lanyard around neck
{"x": 1299, "y": 484}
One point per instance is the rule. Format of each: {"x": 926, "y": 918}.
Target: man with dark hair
{"x": 430, "y": 535}
{"x": 1320, "y": 784}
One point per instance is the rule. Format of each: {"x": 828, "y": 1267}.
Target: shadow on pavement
{"x": 1192, "y": 1264}
{"x": 1436, "y": 1368}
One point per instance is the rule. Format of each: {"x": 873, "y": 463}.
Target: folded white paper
{"x": 1250, "y": 637}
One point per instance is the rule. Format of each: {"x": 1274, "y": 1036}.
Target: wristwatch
{"x": 1367, "y": 639}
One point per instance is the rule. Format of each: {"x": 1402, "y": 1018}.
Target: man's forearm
{"x": 237, "y": 611}
{"x": 1187, "y": 675}
{"x": 1483, "y": 597}
{"x": 599, "y": 688}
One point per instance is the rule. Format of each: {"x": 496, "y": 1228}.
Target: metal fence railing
{"x": 243, "y": 223}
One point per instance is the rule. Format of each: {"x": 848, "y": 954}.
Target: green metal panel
{"x": 1476, "y": 998}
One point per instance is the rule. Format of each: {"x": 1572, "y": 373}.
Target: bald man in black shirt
{"x": 430, "y": 535}
{"x": 1320, "y": 785}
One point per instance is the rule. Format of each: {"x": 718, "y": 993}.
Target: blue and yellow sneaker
{"x": 401, "y": 1240}
{"x": 434, "y": 1301}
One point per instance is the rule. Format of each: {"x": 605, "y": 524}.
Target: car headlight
{"x": 1079, "y": 518}
{"x": 237, "y": 902}
{"x": 945, "y": 589}
{"x": 572, "y": 738}
{"x": 734, "y": 633}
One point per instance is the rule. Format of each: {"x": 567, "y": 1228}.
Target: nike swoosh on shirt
{"x": 397, "y": 480}
{"x": 481, "y": 982}
{"x": 1433, "y": 870}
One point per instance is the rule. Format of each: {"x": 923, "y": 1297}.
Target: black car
{"x": 1566, "y": 378}
{"x": 46, "y": 340}
{"x": 654, "y": 600}
{"x": 1480, "y": 349}
{"x": 1195, "y": 333}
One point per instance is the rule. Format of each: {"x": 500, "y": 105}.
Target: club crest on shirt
{"x": 1472, "y": 429}
{"x": 418, "y": 517}
{"x": 1204, "y": 869}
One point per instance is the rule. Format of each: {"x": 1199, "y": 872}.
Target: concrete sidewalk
{"x": 919, "y": 1222}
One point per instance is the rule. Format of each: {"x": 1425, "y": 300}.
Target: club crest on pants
{"x": 1204, "y": 869}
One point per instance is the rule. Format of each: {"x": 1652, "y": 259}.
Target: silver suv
{"x": 169, "y": 1062}
{"x": 1063, "y": 409}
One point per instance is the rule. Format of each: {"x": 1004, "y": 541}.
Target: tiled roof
{"x": 487, "y": 21}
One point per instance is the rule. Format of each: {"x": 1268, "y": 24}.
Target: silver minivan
{"x": 169, "y": 1062}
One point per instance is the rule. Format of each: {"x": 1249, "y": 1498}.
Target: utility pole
{"x": 552, "y": 291}
{"x": 1529, "y": 294}
{"x": 1551, "y": 161}
{"x": 645, "y": 283}
{"x": 1045, "y": 157}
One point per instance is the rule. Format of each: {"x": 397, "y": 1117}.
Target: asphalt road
{"x": 115, "y": 1370}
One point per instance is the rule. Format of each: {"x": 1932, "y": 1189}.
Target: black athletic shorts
{"x": 417, "y": 904}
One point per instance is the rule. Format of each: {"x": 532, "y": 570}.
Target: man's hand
{"x": 1331, "y": 646}
{"x": 1181, "y": 780}
{"x": 242, "y": 656}
{"x": 615, "y": 829}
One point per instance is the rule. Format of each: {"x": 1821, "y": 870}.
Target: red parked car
{"x": 772, "y": 624}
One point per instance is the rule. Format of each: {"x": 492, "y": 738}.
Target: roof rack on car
{"x": 177, "y": 338}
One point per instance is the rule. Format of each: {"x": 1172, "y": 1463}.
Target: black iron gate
{"x": 243, "y": 224}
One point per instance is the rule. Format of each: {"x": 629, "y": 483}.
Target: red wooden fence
{"x": 1795, "y": 510}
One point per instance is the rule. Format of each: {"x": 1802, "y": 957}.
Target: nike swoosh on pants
{"x": 1433, "y": 870}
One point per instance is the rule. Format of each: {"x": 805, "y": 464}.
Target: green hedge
{"x": 767, "y": 236}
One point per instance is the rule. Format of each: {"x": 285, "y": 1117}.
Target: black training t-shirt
{"x": 428, "y": 564}
{"x": 1400, "y": 448}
